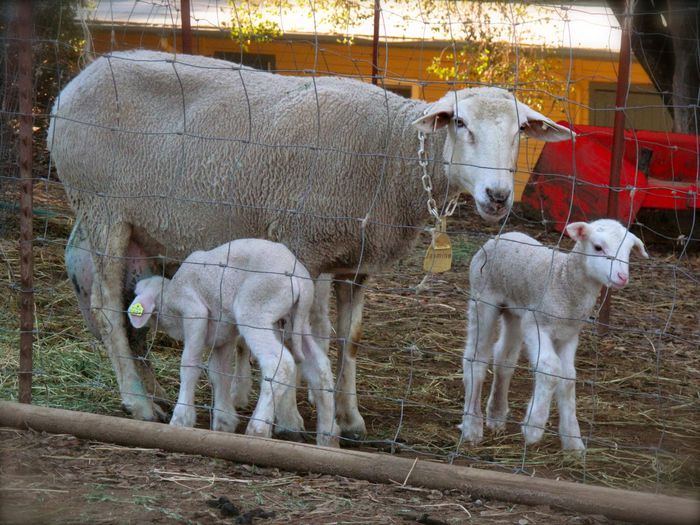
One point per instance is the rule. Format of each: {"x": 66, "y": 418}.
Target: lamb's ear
{"x": 578, "y": 231}
{"x": 436, "y": 117}
{"x": 542, "y": 128}
{"x": 639, "y": 246}
{"x": 141, "y": 309}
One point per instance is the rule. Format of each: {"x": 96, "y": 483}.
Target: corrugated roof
{"x": 579, "y": 25}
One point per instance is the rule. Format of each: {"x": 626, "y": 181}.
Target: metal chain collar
{"x": 428, "y": 184}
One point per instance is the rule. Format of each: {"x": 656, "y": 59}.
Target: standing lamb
{"x": 543, "y": 298}
{"x": 163, "y": 155}
{"x": 243, "y": 287}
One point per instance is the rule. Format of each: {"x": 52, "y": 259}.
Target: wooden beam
{"x": 379, "y": 468}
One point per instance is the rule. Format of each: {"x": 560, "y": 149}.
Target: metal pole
{"x": 618, "y": 150}
{"x": 186, "y": 27}
{"x": 375, "y": 43}
{"x": 26, "y": 306}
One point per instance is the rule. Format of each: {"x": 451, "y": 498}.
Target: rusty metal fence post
{"x": 618, "y": 150}
{"x": 186, "y": 27}
{"x": 375, "y": 43}
{"x": 24, "y": 87}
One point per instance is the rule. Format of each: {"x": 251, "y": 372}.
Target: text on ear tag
{"x": 438, "y": 257}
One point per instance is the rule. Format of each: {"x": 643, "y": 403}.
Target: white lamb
{"x": 245, "y": 287}
{"x": 542, "y": 297}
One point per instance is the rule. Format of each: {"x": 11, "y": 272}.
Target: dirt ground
{"x": 637, "y": 397}
{"x": 62, "y": 480}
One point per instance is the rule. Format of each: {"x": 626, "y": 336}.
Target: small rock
{"x": 248, "y": 517}
{"x": 224, "y": 505}
{"x": 523, "y": 521}
{"x": 478, "y": 503}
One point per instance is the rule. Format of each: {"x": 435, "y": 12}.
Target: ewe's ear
{"x": 140, "y": 309}
{"x": 436, "y": 117}
{"x": 578, "y": 231}
{"x": 542, "y": 128}
{"x": 639, "y": 246}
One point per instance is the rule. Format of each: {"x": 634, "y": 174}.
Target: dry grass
{"x": 637, "y": 394}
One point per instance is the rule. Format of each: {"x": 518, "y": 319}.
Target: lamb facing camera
{"x": 542, "y": 298}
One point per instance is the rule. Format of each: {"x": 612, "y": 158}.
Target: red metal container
{"x": 571, "y": 179}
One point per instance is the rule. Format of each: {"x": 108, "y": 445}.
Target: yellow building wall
{"x": 399, "y": 64}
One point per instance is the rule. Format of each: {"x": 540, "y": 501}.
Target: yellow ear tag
{"x": 438, "y": 258}
{"x": 136, "y": 309}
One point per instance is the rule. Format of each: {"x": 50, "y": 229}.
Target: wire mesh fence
{"x": 637, "y": 386}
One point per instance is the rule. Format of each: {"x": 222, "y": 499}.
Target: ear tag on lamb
{"x": 136, "y": 309}
{"x": 438, "y": 258}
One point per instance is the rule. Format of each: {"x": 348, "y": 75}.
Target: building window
{"x": 256, "y": 60}
{"x": 403, "y": 90}
{"x": 645, "y": 107}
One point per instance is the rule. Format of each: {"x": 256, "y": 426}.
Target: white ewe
{"x": 243, "y": 287}
{"x": 164, "y": 154}
{"x": 542, "y": 297}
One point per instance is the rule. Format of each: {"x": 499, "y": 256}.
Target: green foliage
{"x": 251, "y": 21}
{"x": 486, "y": 57}
{"x": 480, "y": 51}
{"x": 56, "y": 47}
{"x": 496, "y": 63}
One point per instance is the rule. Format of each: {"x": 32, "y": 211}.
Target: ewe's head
{"x": 607, "y": 245}
{"x": 149, "y": 293}
{"x": 483, "y": 136}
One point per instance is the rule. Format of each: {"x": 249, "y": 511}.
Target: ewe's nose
{"x": 498, "y": 197}
{"x": 622, "y": 277}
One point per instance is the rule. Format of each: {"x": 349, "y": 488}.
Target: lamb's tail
{"x": 301, "y": 327}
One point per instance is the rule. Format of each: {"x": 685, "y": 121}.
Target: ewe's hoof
{"x": 297, "y": 436}
{"x": 161, "y": 415}
{"x": 149, "y": 412}
{"x": 352, "y": 429}
{"x": 353, "y": 438}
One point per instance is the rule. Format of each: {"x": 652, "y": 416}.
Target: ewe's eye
{"x": 523, "y": 126}
{"x": 460, "y": 123}
{"x": 597, "y": 248}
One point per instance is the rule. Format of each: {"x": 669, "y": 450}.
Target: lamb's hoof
{"x": 573, "y": 446}
{"x": 225, "y": 423}
{"x": 497, "y": 425}
{"x": 240, "y": 401}
{"x": 472, "y": 436}
{"x": 258, "y": 428}
{"x": 532, "y": 434}
{"x": 472, "y": 428}
{"x": 183, "y": 416}
{"x": 328, "y": 440}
